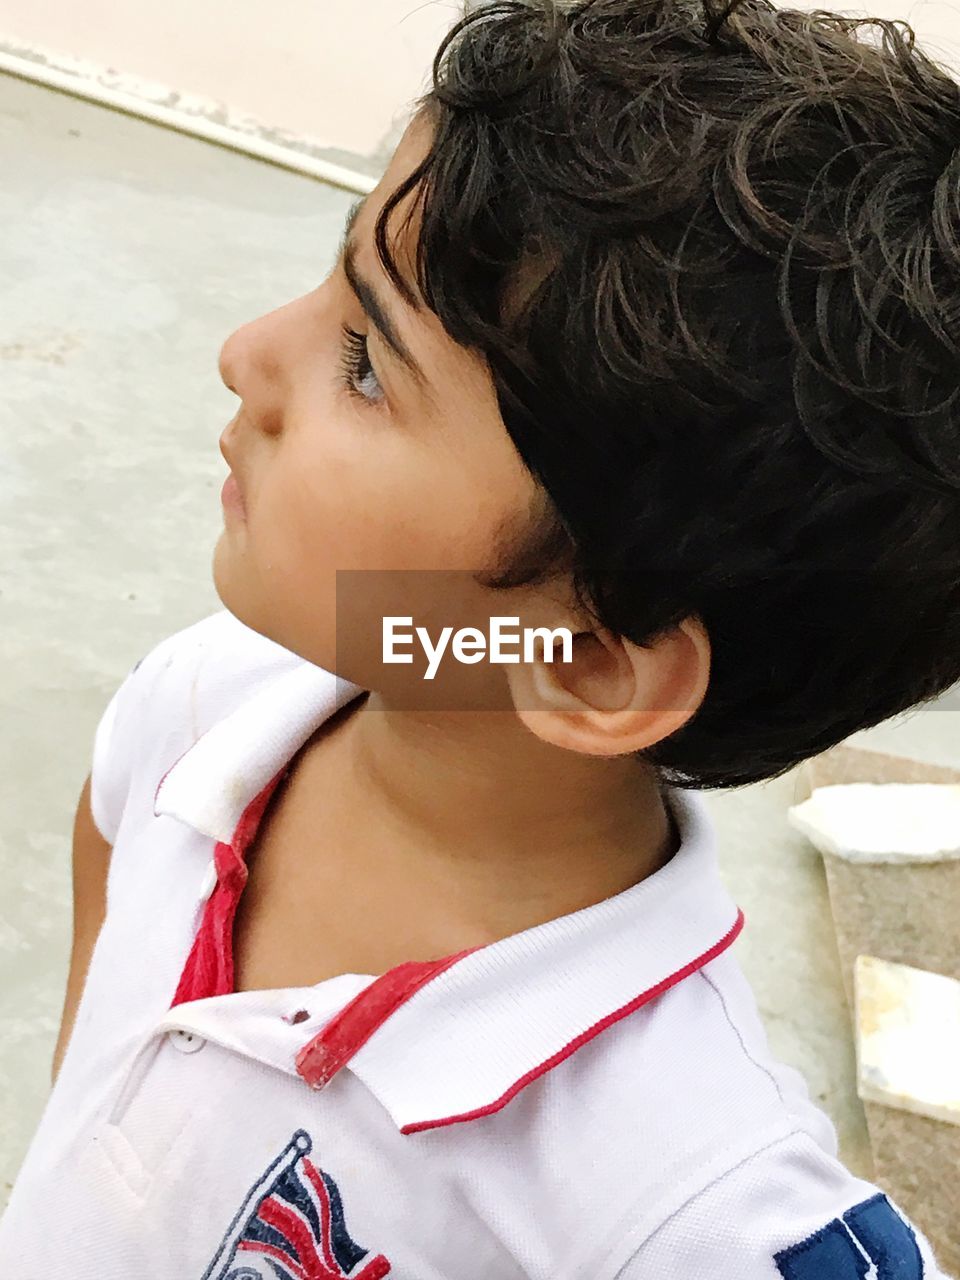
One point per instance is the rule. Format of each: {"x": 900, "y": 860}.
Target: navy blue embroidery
{"x": 889, "y": 1241}
{"x": 832, "y": 1253}
{"x": 291, "y": 1226}
{"x": 829, "y": 1254}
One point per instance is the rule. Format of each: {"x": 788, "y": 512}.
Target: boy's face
{"x": 408, "y": 488}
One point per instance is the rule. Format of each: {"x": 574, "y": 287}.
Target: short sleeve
{"x": 119, "y": 737}
{"x": 789, "y": 1212}
{"x": 112, "y": 758}
{"x": 157, "y": 700}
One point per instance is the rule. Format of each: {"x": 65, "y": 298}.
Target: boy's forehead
{"x": 443, "y": 361}
{"x": 535, "y": 260}
{"x": 403, "y": 230}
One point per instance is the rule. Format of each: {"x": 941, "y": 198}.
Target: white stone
{"x": 882, "y": 821}
{"x": 908, "y": 1038}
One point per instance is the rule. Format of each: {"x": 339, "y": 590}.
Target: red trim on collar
{"x": 322, "y": 1057}
{"x": 208, "y": 970}
{"x": 644, "y": 998}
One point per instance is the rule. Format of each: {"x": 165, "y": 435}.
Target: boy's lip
{"x": 229, "y": 463}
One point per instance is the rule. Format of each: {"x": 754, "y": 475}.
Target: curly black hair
{"x": 713, "y": 262}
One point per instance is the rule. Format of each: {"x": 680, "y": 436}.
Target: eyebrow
{"x": 369, "y": 300}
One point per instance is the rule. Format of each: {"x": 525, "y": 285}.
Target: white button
{"x": 186, "y": 1041}
{"x": 209, "y": 882}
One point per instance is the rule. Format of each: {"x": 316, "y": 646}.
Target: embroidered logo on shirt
{"x": 291, "y": 1227}
{"x": 872, "y": 1241}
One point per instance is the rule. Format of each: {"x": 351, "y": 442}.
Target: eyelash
{"x": 355, "y": 366}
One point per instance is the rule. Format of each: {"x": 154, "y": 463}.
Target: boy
{"x": 431, "y": 978}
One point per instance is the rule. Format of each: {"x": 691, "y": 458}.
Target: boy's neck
{"x": 473, "y": 805}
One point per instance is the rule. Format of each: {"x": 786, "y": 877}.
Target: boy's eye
{"x": 356, "y": 371}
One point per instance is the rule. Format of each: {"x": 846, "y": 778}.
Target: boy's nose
{"x": 257, "y": 360}
{"x": 251, "y": 360}
{"x": 228, "y": 362}
{"x": 255, "y": 365}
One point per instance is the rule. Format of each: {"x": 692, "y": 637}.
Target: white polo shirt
{"x": 591, "y": 1098}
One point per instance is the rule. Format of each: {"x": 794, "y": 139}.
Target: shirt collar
{"x": 448, "y": 1041}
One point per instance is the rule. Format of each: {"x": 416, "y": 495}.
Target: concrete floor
{"x": 128, "y": 254}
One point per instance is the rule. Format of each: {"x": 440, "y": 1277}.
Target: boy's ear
{"x": 614, "y": 697}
